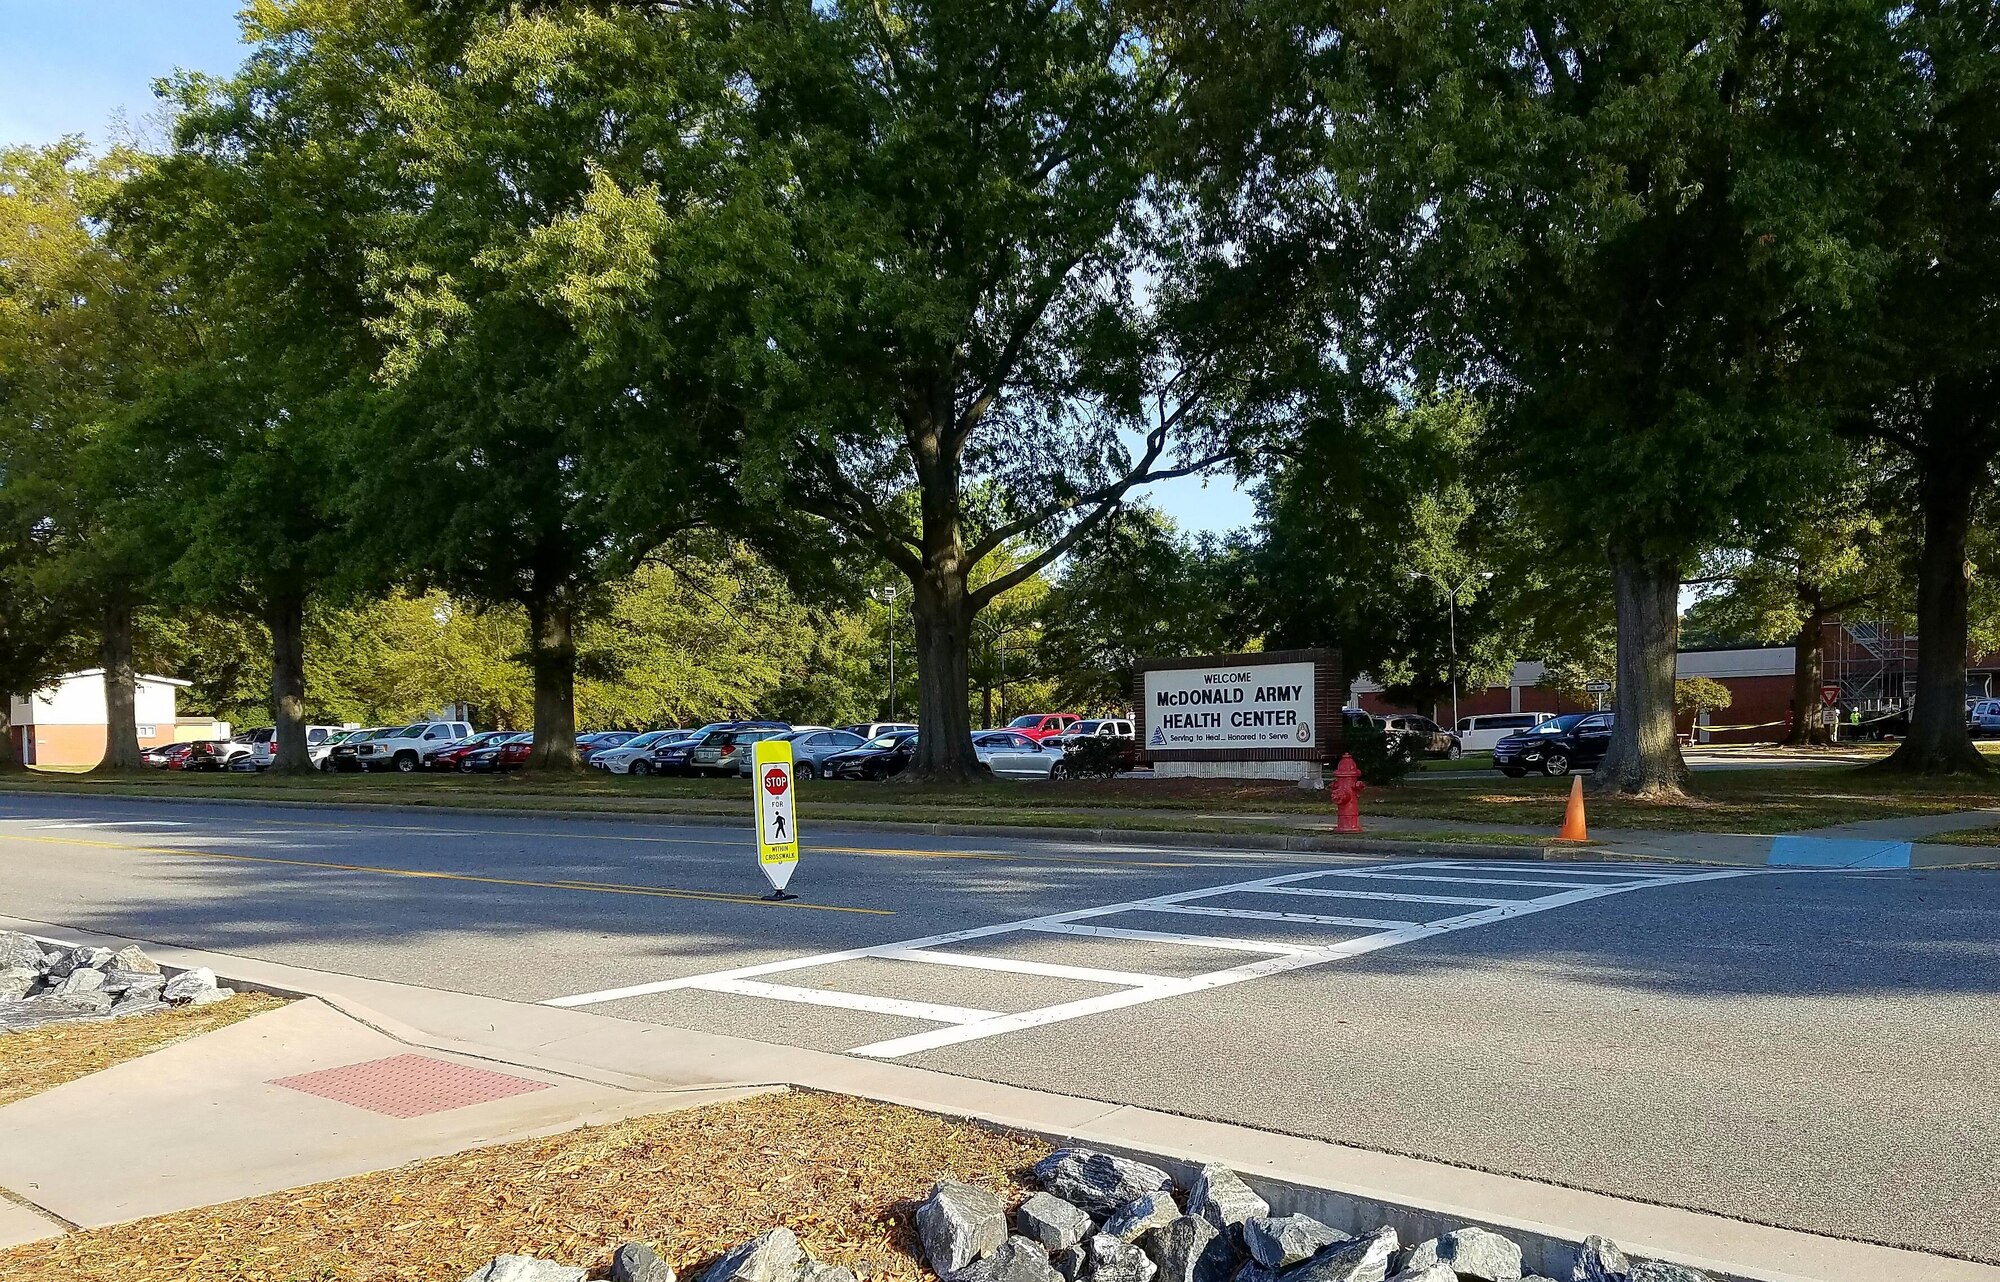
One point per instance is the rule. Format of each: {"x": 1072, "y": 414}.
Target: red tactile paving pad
{"x": 409, "y": 1085}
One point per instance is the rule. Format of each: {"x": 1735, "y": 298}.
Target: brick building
{"x": 64, "y": 724}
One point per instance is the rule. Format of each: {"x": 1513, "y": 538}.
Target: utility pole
{"x": 888, "y": 597}
{"x": 1451, "y": 591}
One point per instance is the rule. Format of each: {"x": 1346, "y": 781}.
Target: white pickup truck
{"x": 404, "y": 750}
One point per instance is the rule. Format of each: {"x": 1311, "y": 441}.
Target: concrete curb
{"x": 1347, "y": 1187}
{"x": 1415, "y": 847}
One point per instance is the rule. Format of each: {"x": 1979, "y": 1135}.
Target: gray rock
{"x": 1282, "y": 1241}
{"x": 209, "y": 996}
{"x": 1222, "y": 1198}
{"x": 771, "y": 1257}
{"x": 817, "y": 1272}
{"x": 1661, "y": 1271}
{"x": 19, "y": 950}
{"x": 79, "y": 981}
{"x": 637, "y": 1262}
{"x": 86, "y": 1001}
{"x": 1471, "y": 1253}
{"x": 1361, "y": 1259}
{"x": 132, "y": 957}
{"x": 1106, "y": 1259}
{"x": 1434, "y": 1273}
{"x": 1098, "y": 1182}
{"x": 148, "y": 983}
{"x": 1599, "y": 1260}
{"x": 1190, "y": 1250}
{"x": 1069, "y": 1262}
{"x": 76, "y": 959}
{"x": 185, "y": 985}
{"x": 132, "y": 1004}
{"x": 1017, "y": 1259}
{"x": 17, "y": 982}
{"x": 1255, "y": 1272}
{"x": 526, "y": 1268}
{"x": 959, "y": 1224}
{"x": 1054, "y": 1223}
{"x": 1141, "y": 1216}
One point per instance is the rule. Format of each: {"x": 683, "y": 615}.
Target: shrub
{"x": 1095, "y": 758}
{"x": 1384, "y": 759}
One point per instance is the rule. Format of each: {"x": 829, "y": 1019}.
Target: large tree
{"x": 1605, "y": 215}
{"x": 1931, "y": 380}
{"x": 82, "y": 332}
{"x": 968, "y": 308}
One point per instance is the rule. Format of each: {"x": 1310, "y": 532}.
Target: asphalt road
{"x": 1810, "y": 1049}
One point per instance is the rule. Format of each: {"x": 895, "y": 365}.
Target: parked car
{"x": 403, "y": 750}
{"x": 879, "y": 758}
{"x": 667, "y": 755}
{"x": 807, "y": 749}
{"x": 1093, "y": 728}
{"x": 321, "y": 753}
{"x": 446, "y": 756}
{"x": 1984, "y": 719}
{"x": 505, "y": 754}
{"x": 718, "y": 750}
{"x": 1423, "y": 736}
{"x": 876, "y": 729}
{"x": 205, "y": 754}
{"x": 1480, "y": 733}
{"x": 156, "y": 756}
{"x": 345, "y": 753}
{"x": 1559, "y": 745}
{"x": 619, "y": 760}
{"x": 264, "y": 744}
{"x": 589, "y": 745}
{"x": 1040, "y": 725}
{"x": 1010, "y": 754}
{"x": 670, "y": 756}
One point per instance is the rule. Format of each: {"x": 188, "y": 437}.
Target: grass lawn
{"x": 1773, "y": 799}
{"x": 34, "y": 1061}
{"x": 844, "y": 1174}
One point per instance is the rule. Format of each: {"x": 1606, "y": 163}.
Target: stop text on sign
{"x": 776, "y": 781}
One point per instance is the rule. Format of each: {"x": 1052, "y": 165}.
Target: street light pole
{"x": 1451, "y": 616}
{"x": 888, "y": 596}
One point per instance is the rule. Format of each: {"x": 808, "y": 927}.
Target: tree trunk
{"x": 552, "y": 657}
{"x": 1644, "y": 758}
{"x": 10, "y": 761}
{"x": 944, "y": 622}
{"x": 1808, "y": 674}
{"x": 121, "y": 692}
{"x": 1939, "y": 742}
{"x": 292, "y": 754}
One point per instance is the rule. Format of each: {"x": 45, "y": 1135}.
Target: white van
{"x": 1479, "y": 734}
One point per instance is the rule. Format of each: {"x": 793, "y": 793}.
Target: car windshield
{"x": 1561, "y": 725}
{"x": 889, "y": 740}
{"x": 643, "y": 740}
{"x": 1028, "y": 722}
{"x": 1087, "y": 727}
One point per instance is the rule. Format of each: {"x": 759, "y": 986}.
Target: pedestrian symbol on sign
{"x": 777, "y": 818}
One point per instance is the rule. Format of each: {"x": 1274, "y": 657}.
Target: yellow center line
{"x": 601, "y": 887}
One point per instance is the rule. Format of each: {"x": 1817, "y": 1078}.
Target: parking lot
{"x": 1803, "y": 1048}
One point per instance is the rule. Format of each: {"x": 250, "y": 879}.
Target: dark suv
{"x": 1574, "y": 742}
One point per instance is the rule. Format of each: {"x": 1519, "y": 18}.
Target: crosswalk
{"x": 1368, "y": 909}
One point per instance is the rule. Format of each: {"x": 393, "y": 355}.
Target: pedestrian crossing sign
{"x": 777, "y": 810}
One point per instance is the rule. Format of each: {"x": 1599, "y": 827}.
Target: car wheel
{"x": 807, "y": 770}
{"x": 1513, "y": 773}
{"x": 640, "y": 768}
{"x": 1555, "y": 765}
{"x": 406, "y": 763}
{"x": 1060, "y": 770}
{"x": 1454, "y": 752}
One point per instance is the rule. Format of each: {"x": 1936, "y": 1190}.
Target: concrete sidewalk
{"x": 206, "y": 1121}
{"x": 1345, "y": 1186}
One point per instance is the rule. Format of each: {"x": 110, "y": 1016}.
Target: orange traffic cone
{"x": 1573, "y": 828}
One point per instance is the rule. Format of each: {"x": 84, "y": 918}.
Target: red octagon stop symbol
{"x": 776, "y": 780}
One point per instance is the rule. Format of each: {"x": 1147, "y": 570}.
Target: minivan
{"x": 1479, "y": 734}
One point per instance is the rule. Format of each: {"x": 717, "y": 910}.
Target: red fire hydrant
{"x": 1346, "y": 794}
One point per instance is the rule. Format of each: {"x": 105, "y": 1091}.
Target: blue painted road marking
{"x": 1838, "y": 852}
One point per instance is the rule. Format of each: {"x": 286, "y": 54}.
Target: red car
{"x": 1040, "y": 725}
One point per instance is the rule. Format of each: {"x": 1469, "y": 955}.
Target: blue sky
{"x": 73, "y": 66}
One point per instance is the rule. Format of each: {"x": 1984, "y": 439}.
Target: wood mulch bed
{"x": 34, "y": 1061}
{"x": 844, "y": 1174}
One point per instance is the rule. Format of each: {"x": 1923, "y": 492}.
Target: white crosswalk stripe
{"x": 1562, "y": 884}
